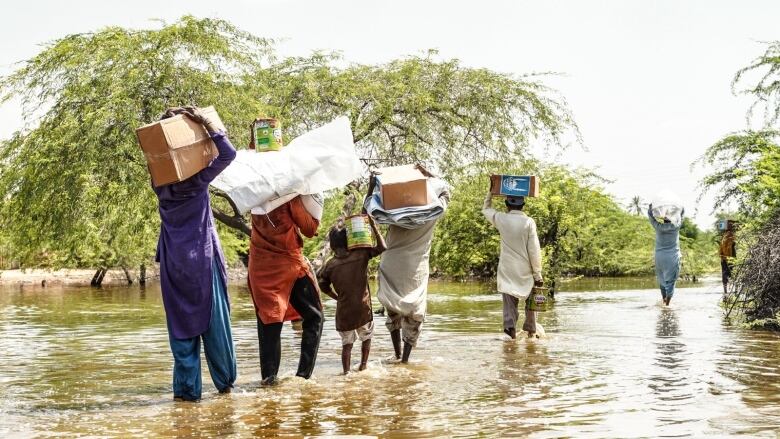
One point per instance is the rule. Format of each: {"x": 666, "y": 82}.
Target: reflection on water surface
{"x": 615, "y": 363}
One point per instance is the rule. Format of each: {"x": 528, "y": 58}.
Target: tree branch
{"x": 235, "y": 221}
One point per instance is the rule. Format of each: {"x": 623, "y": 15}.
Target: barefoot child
{"x": 347, "y": 272}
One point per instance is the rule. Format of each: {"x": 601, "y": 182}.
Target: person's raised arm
{"x": 653, "y": 221}
{"x": 303, "y": 219}
{"x": 381, "y": 245}
{"x": 487, "y": 209}
{"x": 370, "y": 192}
{"x": 227, "y": 153}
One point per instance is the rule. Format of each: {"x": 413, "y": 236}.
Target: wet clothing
{"x": 403, "y": 271}
{"x": 363, "y": 333}
{"x": 188, "y": 249}
{"x": 725, "y": 271}
{"x": 217, "y": 345}
{"x": 520, "y": 260}
{"x": 306, "y": 300}
{"x": 410, "y": 327}
{"x": 349, "y": 276}
{"x": 276, "y": 259}
{"x": 512, "y": 315}
{"x": 667, "y": 254}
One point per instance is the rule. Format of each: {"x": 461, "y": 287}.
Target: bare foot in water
{"x": 510, "y": 332}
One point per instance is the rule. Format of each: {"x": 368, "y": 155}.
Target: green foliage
{"x": 763, "y": 78}
{"x": 699, "y": 254}
{"x": 330, "y": 214}
{"x": 746, "y": 171}
{"x": 75, "y": 181}
{"x": 235, "y": 246}
{"x": 77, "y": 185}
{"x": 420, "y": 110}
{"x": 699, "y": 250}
{"x": 582, "y": 230}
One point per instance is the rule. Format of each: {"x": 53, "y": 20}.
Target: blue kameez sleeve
{"x": 653, "y": 221}
{"x": 227, "y": 153}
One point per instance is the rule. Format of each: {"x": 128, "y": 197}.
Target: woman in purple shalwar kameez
{"x": 192, "y": 274}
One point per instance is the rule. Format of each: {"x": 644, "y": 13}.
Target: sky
{"x": 649, "y": 82}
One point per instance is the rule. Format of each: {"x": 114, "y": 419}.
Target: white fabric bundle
{"x": 317, "y": 161}
{"x": 410, "y": 217}
{"x": 667, "y": 205}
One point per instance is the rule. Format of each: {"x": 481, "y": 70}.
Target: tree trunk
{"x": 97, "y": 279}
{"x": 127, "y": 275}
{"x": 94, "y": 280}
{"x": 142, "y": 275}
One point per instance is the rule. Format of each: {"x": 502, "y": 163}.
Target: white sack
{"x": 666, "y": 204}
{"x": 317, "y": 161}
{"x": 271, "y": 205}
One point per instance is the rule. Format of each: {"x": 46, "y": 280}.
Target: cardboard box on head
{"x": 727, "y": 224}
{"x": 403, "y": 186}
{"x": 178, "y": 147}
{"x": 514, "y": 185}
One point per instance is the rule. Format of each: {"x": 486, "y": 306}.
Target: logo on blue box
{"x": 515, "y": 186}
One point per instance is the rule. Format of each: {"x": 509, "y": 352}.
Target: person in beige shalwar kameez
{"x": 520, "y": 260}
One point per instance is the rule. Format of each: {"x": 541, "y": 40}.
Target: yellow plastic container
{"x": 359, "y": 232}
{"x": 540, "y": 300}
{"x": 267, "y": 135}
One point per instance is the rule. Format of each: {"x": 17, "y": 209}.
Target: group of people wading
{"x": 284, "y": 286}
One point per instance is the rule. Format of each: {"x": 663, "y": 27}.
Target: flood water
{"x": 615, "y": 363}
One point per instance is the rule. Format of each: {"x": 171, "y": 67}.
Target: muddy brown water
{"x": 615, "y": 363}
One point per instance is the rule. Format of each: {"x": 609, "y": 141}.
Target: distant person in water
{"x": 520, "y": 261}
{"x": 728, "y": 251}
{"x": 192, "y": 274}
{"x": 347, "y": 272}
{"x": 667, "y": 251}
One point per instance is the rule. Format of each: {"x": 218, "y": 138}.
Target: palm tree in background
{"x": 635, "y": 206}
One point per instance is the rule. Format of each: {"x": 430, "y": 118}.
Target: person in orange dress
{"x": 282, "y": 284}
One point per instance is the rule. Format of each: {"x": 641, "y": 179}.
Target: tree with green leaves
{"x": 74, "y": 183}
{"x": 747, "y": 173}
{"x": 761, "y": 81}
{"x": 582, "y": 230}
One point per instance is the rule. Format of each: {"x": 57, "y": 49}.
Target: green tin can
{"x": 359, "y": 232}
{"x": 267, "y": 134}
{"x": 540, "y": 300}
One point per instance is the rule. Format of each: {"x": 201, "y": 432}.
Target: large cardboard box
{"x": 177, "y": 148}
{"x": 403, "y": 186}
{"x": 514, "y": 185}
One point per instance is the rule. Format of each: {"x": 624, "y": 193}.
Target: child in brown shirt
{"x": 347, "y": 272}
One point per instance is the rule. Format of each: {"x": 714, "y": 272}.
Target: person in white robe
{"x": 519, "y": 263}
